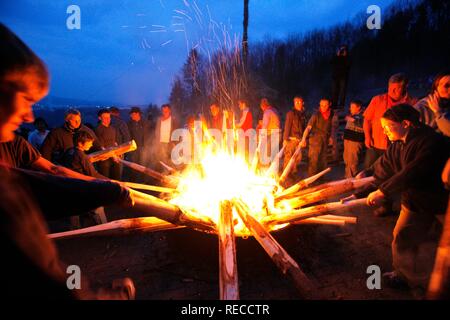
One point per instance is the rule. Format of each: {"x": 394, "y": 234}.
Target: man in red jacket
{"x": 375, "y": 139}
{"x": 245, "y": 123}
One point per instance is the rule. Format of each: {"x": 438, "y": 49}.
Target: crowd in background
{"x": 407, "y": 150}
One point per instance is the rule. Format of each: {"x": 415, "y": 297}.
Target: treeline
{"x": 414, "y": 38}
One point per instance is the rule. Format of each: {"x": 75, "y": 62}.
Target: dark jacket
{"x": 78, "y": 161}
{"x": 31, "y": 265}
{"x": 294, "y": 125}
{"x": 139, "y": 131}
{"x": 107, "y": 136}
{"x": 123, "y": 134}
{"x": 321, "y": 128}
{"x": 414, "y": 169}
{"x": 59, "y": 140}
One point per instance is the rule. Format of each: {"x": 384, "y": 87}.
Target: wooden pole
{"x": 112, "y": 151}
{"x": 167, "y": 167}
{"x": 169, "y": 181}
{"x": 273, "y": 169}
{"x": 337, "y": 223}
{"x": 358, "y": 183}
{"x": 344, "y": 186}
{"x": 228, "y": 276}
{"x": 301, "y": 184}
{"x": 140, "y": 186}
{"x": 348, "y": 220}
{"x": 118, "y": 227}
{"x": 314, "y": 211}
{"x": 145, "y": 204}
{"x": 255, "y": 160}
{"x": 329, "y": 219}
{"x": 245, "y": 36}
{"x": 279, "y": 256}
{"x": 291, "y": 163}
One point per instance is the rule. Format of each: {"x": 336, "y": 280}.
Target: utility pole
{"x": 245, "y": 34}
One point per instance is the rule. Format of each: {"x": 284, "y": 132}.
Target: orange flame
{"x": 225, "y": 176}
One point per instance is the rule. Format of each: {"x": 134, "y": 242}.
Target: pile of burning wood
{"x": 225, "y": 196}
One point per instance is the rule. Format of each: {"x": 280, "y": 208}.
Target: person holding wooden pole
{"x": 32, "y": 267}
{"x": 294, "y": 126}
{"x": 412, "y": 166}
{"x": 320, "y": 130}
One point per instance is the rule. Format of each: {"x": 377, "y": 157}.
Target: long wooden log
{"x": 291, "y": 163}
{"x": 346, "y": 219}
{"x": 140, "y": 186}
{"x": 291, "y": 216}
{"x": 170, "y": 181}
{"x": 167, "y": 167}
{"x": 329, "y": 219}
{"x": 339, "y": 188}
{"x": 359, "y": 183}
{"x": 147, "y": 205}
{"x": 112, "y": 151}
{"x": 338, "y": 223}
{"x": 118, "y": 227}
{"x": 273, "y": 169}
{"x": 228, "y": 276}
{"x": 255, "y": 160}
{"x": 301, "y": 184}
{"x": 279, "y": 256}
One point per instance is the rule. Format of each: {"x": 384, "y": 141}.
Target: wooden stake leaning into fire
{"x": 140, "y": 186}
{"x": 145, "y": 204}
{"x": 280, "y": 257}
{"x": 273, "y": 169}
{"x": 291, "y": 216}
{"x": 170, "y": 181}
{"x": 118, "y": 227}
{"x": 112, "y": 151}
{"x": 302, "y": 184}
{"x": 291, "y": 163}
{"x": 228, "y": 276}
{"x": 338, "y": 188}
{"x": 333, "y": 184}
{"x": 167, "y": 167}
{"x": 346, "y": 219}
{"x": 255, "y": 160}
{"x": 337, "y": 223}
{"x": 329, "y": 219}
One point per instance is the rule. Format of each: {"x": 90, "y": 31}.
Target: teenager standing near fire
{"x": 412, "y": 166}
{"x": 320, "y": 130}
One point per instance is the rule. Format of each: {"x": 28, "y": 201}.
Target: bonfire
{"x": 226, "y": 195}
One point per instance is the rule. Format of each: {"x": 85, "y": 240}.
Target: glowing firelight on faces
{"x": 224, "y": 176}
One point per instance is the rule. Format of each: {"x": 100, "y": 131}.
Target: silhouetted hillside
{"x": 414, "y": 39}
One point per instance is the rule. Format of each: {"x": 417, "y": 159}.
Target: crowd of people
{"x": 406, "y": 148}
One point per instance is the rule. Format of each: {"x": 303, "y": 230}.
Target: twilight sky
{"x": 128, "y": 51}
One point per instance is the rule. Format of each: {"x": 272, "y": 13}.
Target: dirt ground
{"x": 183, "y": 264}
